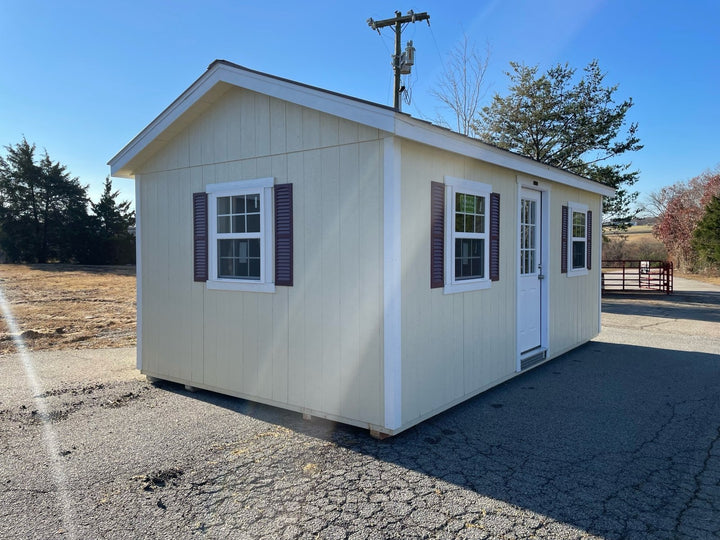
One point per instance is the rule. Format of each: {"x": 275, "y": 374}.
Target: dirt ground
{"x": 68, "y": 307}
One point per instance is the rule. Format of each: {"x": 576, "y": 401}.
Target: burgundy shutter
{"x": 588, "y": 230}
{"x": 437, "y": 235}
{"x": 494, "y": 237}
{"x": 200, "y": 236}
{"x": 564, "y": 241}
{"x": 283, "y": 235}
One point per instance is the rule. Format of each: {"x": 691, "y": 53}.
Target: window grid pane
{"x": 578, "y": 254}
{"x": 469, "y": 213}
{"x": 578, "y": 225}
{"x": 238, "y": 214}
{"x": 469, "y": 258}
{"x": 239, "y": 258}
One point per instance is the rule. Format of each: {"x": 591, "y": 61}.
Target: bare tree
{"x": 461, "y": 86}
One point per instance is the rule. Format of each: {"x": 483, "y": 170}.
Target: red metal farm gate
{"x": 635, "y": 275}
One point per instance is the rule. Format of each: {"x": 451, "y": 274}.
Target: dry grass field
{"x": 68, "y": 307}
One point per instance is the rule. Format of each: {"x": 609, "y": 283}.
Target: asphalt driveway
{"x": 617, "y": 439}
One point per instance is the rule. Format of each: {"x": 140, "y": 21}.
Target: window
{"x": 467, "y": 243}
{"x": 240, "y": 239}
{"x": 578, "y": 231}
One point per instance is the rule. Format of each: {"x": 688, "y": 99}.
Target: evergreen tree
{"x": 114, "y": 242}
{"x": 43, "y": 210}
{"x": 706, "y": 237}
{"x": 571, "y": 126}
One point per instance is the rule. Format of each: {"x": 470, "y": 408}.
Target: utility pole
{"x": 401, "y": 61}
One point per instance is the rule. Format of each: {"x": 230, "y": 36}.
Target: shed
{"x": 331, "y": 256}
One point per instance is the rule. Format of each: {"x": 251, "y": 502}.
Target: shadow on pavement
{"x": 605, "y": 432}
{"x": 694, "y": 305}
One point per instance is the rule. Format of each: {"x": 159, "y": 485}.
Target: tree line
{"x": 688, "y": 221}
{"x": 559, "y": 117}
{"x": 46, "y": 215}
{"x": 574, "y": 120}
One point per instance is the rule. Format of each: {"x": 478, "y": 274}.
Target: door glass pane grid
{"x": 528, "y": 236}
{"x": 239, "y": 258}
{"x": 469, "y": 213}
{"x": 469, "y": 258}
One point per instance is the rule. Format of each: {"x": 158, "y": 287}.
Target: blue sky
{"x": 81, "y": 79}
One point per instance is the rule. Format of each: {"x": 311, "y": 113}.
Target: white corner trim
{"x": 138, "y": 278}
{"x": 392, "y": 306}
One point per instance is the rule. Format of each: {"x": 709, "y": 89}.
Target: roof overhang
{"x": 222, "y": 75}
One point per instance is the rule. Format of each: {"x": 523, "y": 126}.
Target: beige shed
{"x": 332, "y": 256}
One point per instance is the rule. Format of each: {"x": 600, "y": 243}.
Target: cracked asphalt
{"x": 617, "y": 439}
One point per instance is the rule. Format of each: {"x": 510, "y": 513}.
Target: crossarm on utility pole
{"x": 397, "y": 22}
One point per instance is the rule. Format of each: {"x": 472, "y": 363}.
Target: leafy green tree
{"x": 706, "y": 237}
{"x": 114, "y": 242}
{"x": 571, "y": 125}
{"x": 43, "y": 211}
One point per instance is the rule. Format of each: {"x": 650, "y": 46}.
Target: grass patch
{"x": 69, "y": 307}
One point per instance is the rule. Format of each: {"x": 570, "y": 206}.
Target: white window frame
{"x": 478, "y": 189}
{"x": 574, "y": 207}
{"x": 263, "y": 186}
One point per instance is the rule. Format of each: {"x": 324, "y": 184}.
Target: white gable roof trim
{"x": 206, "y": 88}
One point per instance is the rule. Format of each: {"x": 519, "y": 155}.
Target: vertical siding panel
{"x": 347, "y": 132}
{"x": 329, "y": 130}
{"x": 330, "y": 260}
{"x": 264, "y": 336}
{"x": 248, "y": 134}
{"x": 371, "y": 260}
{"x": 166, "y": 362}
{"x": 280, "y": 344}
{"x": 197, "y": 303}
{"x": 194, "y": 146}
{"x": 310, "y": 129}
{"x": 207, "y": 143}
{"x": 314, "y": 285}
{"x": 151, "y": 313}
{"x": 349, "y": 265}
{"x": 279, "y": 169}
{"x": 367, "y": 133}
{"x": 262, "y": 125}
{"x": 296, "y": 294}
{"x": 179, "y": 256}
{"x": 293, "y": 127}
{"x": 234, "y": 125}
{"x": 277, "y": 126}
{"x": 220, "y": 120}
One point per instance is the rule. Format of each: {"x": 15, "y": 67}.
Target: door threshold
{"x": 532, "y": 357}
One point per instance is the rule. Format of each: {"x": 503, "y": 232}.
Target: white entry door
{"x": 531, "y": 272}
